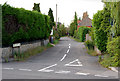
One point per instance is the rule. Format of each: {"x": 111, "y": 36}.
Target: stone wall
{"x": 9, "y": 51}
{"x": 88, "y": 37}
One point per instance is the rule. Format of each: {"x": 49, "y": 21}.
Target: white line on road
{"x": 69, "y": 44}
{"x": 69, "y": 47}
{"x": 65, "y": 72}
{"x": 25, "y": 69}
{"x": 9, "y": 68}
{"x": 78, "y": 73}
{"x": 47, "y": 70}
{"x": 68, "y": 50}
{"x": 63, "y": 57}
{"x": 101, "y": 76}
{"x": 47, "y": 67}
{"x": 71, "y": 63}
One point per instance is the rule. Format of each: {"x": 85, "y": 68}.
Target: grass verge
{"x": 78, "y": 40}
{"x": 92, "y": 52}
{"x": 31, "y": 52}
{"x": 56, "y": 41}
{"x": 109, "y": 61}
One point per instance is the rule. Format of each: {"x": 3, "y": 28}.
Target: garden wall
{"x": 8, "y": 52}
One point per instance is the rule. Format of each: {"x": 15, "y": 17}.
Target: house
{"x": 86, "y": 21}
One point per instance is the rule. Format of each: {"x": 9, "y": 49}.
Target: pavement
{"x": 66, "y": 60}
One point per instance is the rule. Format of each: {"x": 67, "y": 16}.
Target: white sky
{"x": 66, "y": 8}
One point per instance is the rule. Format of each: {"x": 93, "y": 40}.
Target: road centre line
{"x": 68, "y": 50}
{"x": 47, "y": 67}
{"x": 25, "y": 69}
{"x": 69, "y": 44}
{"x": 69, "y": 47}
{"x": 63, "y": 57}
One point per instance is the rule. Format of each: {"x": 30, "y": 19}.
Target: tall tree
{"x": 36, "y": 7}
{"x": 50, "y": 13}
{"x": 79, "y": 18}
{"x": 75, "y": 20}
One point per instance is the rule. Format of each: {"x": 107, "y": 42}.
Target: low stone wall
{"x": 9, "y": 51}
{"x": 97, "y": 50}
{"x": 88, "y": 37}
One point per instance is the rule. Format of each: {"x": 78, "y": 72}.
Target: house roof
{"x": 78, "y": 21}
{"x": 86, "y": 22}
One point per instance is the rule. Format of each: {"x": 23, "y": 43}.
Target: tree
{"x": 101, "y": 27}
{"x": 50, "y": 13}
{"x": 72, "y": 28}
{"x": 75, "y": 20}
{"x": 73, "y": 25}
{"x": 36, "y": 7}
{"x": 79, "y": 18}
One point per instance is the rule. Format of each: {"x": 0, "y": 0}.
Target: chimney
{"x": 85, "y": 15}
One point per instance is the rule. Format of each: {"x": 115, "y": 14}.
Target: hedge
{"x": 20, "y": 25}
{"x": 81, "y": 33}
{"x": 113, "y": 47}
{"x": 100, "y": 36}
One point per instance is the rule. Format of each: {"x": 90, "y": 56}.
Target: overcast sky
{"x": 66, "y": 8}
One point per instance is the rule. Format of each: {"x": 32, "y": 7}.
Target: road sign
{"x": 17, "y": 45}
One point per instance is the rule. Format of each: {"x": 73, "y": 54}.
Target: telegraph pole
{"x": 56, "y": 15}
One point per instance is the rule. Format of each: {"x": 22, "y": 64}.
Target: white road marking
{"x": 69, "y": 47}
{"x": 9, "y": 68}
{"x": 65, "y": 72}
{"x": 101, "y": 76}
{"x": 47, "y": 70}
{"x": 71, "y": 63}
{"x": 63, "y": 57}
{"x": 114, "y": 69}
{"x": 68, "y": 50}
{"x": 69, "y": 44}
{"x": 44, "y": 69}
{"x": 78, "y": 73}
{"x": 25, "y": 69}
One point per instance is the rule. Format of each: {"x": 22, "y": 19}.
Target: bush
{"x": 56, "y": 34}
{"x": 81, "y": 33}
{"x": 100, "y": 36}
{"x": 113, "y": 47}
{"x": 20, "y": 25}
{"x": 109, "y": 61}
{"x": 89, "y": 44}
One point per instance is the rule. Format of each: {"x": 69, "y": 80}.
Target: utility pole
{"x": 56, "y": 15}
{"x": 58, "y": 19}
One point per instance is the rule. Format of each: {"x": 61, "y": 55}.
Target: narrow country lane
{"x": 67, "y": 60}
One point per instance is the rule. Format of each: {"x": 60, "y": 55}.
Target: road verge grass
{"x": 31, "y": 52}
{"x": 56, "y": 41}
{"x": 78, "y": 40}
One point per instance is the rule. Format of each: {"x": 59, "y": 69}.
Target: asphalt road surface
{"x": 67, "y": 60}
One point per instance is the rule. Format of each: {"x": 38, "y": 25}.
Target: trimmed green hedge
{"x": 20, "y": 25}
{"x": 81, "y": 33}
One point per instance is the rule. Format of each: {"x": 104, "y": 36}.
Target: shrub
{"x": 81, "y": 33}
{"x": 113, "y": 47}
{"x": 89, "y": 44}
{"x": 100, "y": 36}
{"x": 56, "y": 34}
